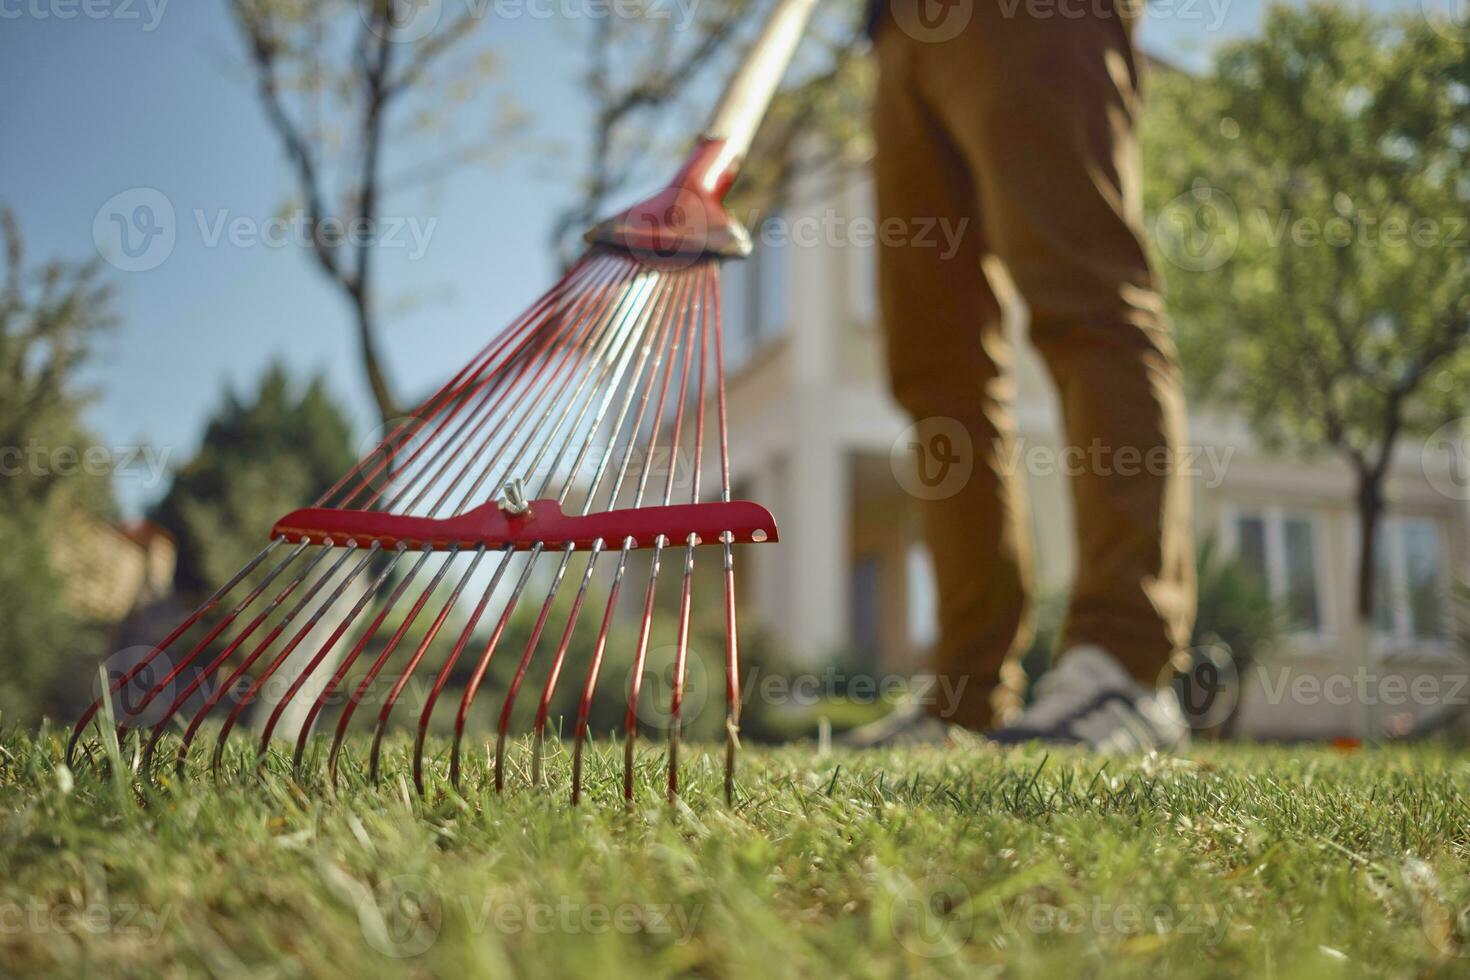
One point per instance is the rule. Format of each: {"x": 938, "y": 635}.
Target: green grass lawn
{"x": 966, "y": 861}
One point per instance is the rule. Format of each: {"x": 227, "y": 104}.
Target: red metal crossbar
{"x": 543, "y": 523}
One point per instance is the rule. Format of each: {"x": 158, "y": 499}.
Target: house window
{"x": 1280, "y": 549}
{"x": 923, "y": 599}
{"x": 735, "y": 320}
{"x": 770, "y": 265}
{"x": 867, "y": 593}
{"x": 754, "y": 299}
{"x": 1408, "y": 600}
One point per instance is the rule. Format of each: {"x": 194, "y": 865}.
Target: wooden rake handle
{"x": 750, "y": 91}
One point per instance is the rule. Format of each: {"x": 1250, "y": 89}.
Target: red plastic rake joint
{"x": 543, "y": 524}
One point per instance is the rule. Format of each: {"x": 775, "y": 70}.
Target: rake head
{"x": 593, "y": 428}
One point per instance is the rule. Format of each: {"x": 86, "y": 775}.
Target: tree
{"x": 341, "y": 80}
{"x": 1319, "y": 260}
{"x": 50, "y": 315}
{"x": 262, "y": 457}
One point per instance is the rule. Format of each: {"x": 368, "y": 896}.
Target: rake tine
{"x": 487, "y": 361}
{"x": 681, "y": 656}
{"x": 454, "y": 655}
{"x": 168, "y": 641}
{"x": 732, "y": 643}
{"x": 413, "y": 663}
{"x": 649, "y": 309}
{"x": 309, "y": 668}
{"x": 377, "y": 665}
{"x": 270, "y": 637}
{"x": 630, "y": 720}
{"x": 201, "y": 676}
{"x": 484, "y": 661}
{"x": 543, "y": 709}
{"x": 312, "y": 621}
{"x": 520, "y": 675}
{"x": 346, "y": 665}
{"x": 604, "y": 288}
{"x": 676, "y": 703}
{"x": 311, "y": 665}
{"x": 584, "y": 706}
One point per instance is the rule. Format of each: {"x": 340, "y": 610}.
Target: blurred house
{"x": 110, "y": 571}
{"x": 816, "y": 437}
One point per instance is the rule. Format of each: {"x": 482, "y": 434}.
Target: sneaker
{"x": 908, "y": 725}
{"x": 1088, "y": 699}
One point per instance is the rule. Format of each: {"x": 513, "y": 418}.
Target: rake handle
{"x": 749, "y": 94}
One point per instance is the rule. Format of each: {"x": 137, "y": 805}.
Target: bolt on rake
{"x": 575, "y": 440}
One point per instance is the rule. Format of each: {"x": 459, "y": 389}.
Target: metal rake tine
{"x": 584, "y": 706}
{"x": 310, "y": 667}
{"x": 579, "y": 324}
{"x": 557, "y": 660}
{"x": 487, "y": 364}
{"x": 484, "y": 661}
{"x": 312, "y": 621}
{"x": 650, "y": 307}
{"x": 676, "y": 704}
{"x": 351, "y": 658}
{"x": 674, "y": 439}
{"x": 630, "y": 720}
{"x": 157, "y": 651}
{"x": 520, "y": 675}
{"x": 732, "y": 642}
{"x": 413, "y": 663}
{"x": 271, "y": 635}
{"x": 201, "y": 676}
{"x": 681, "y": 655}
{"x": 732, "y": 675}
{"x": 454, "y": 654}
{"x": 371, "y": 675}
{"x": 325, "y": 647}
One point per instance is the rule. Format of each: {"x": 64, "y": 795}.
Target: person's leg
{"x": 1043, "y": 108}
{"x": 948, "y": 359}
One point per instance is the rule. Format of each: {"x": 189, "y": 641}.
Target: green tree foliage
{"x": 1311, "y": 193}
{"x": 263, "y": 455}
{"x": 1235, "y": 609}
{"x": 50, "y": 315}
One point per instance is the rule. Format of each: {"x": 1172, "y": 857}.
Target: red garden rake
{"x": 562, "y": 439}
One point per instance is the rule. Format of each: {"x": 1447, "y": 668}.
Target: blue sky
{"x": 153, "y": 94}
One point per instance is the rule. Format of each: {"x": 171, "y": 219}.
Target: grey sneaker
{"x": 905, "y": 726}
{"x": 1088, "y": 699}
